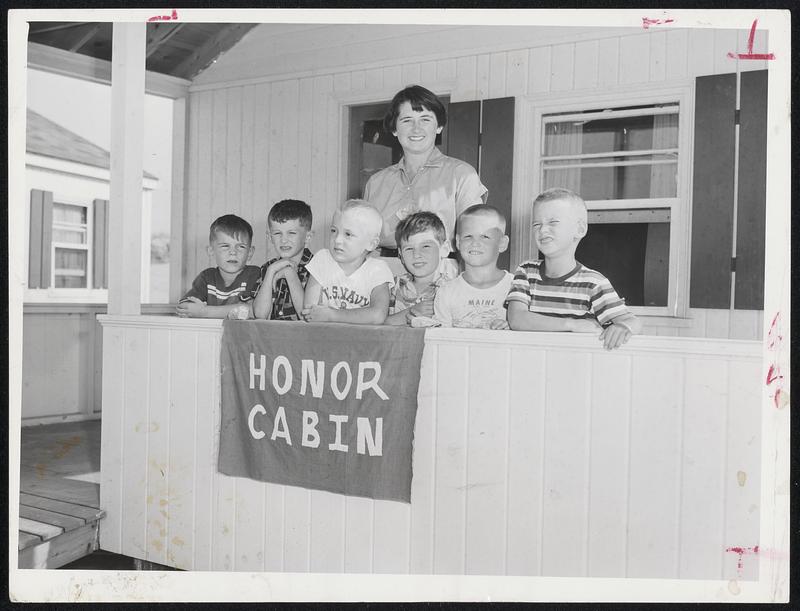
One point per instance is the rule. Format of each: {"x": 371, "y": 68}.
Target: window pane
{"x": 70, "y": 268}
{"x": 630, "y": 177}
{"x": 70, "y": 236}
{"x": 633, "y": 256}
{"x": 638, "y": 133}
{"x": 67, "y": 213}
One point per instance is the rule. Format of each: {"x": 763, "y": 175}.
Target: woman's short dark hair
{"x": 419, "y": 98}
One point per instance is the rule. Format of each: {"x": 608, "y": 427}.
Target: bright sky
{"x": 84, "y": 107}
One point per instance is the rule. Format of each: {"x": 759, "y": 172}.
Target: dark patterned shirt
{"x": 282, "y": 306}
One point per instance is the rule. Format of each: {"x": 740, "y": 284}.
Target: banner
{"x": 324, "y": 406}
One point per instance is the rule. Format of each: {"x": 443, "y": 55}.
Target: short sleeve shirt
{"x": 404, "y": 293}
{"x": 443, "y": 185}
{"x": 345, "y": 292}
{"x": 582, "y": 293}
{"x": 210, "y": 287}
{"x": 459, "y": 304}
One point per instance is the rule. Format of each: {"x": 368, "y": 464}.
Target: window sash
{"x": 86, "y": 247}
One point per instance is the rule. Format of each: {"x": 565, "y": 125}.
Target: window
{"x": 626, "y": 161}
{"x": 71, "y": 246}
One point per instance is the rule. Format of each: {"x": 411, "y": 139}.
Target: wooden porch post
{"x": 127, "y": 143}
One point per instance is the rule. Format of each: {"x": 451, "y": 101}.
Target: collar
{"x": 435, "y": 160}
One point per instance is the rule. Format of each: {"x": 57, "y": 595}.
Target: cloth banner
{"x": 324, "y": 406}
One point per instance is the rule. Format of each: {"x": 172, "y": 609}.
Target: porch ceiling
{"x": 177, "y": 49}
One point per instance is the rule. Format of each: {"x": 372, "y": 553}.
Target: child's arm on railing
{"x": 373, "y": 314}
{"x": 520, "y": 319}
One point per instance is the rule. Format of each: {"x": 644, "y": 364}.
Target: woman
{"x": 424, "y": 178}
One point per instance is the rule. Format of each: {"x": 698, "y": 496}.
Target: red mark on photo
{"x": 647, "y": 22}
{"x": 172, "y": 17}
{"x": 750, "y": 54}
{"x": 742, "y": 551}
{"x": 774, "y": 376}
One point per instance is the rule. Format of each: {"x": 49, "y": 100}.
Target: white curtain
{"x": 663, "y": 176}
{"x": 564, "y": 139}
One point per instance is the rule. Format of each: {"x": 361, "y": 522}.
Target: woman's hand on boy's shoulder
{"x": 191, "y": 307}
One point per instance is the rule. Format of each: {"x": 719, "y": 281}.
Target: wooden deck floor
{"x": 58, "y": 515}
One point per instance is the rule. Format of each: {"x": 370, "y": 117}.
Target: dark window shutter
{"x": 463, "y": 129}
{"x": 41, "y": 235}
{"x": 497, "y": 160}
{"x": 100, "y": 244}
{"x": 712, "y": 191}
{"x": 752, "y": 204}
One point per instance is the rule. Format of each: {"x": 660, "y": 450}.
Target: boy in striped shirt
{"x": 557, "y": 293}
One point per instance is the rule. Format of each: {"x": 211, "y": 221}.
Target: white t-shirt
{"x": 459, "y": 304}
{"x": 344, "y": 292}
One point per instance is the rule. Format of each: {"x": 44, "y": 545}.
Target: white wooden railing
{"x": 534, "y": 454}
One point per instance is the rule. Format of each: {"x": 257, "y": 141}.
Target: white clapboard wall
{"x": 534, "y": 454}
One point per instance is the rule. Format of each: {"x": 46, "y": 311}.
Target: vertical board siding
{"x": 567, "y": 412}
{"x": 527, "y": 461}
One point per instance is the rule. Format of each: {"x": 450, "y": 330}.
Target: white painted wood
{"x": 127, "y": 142}
{"x": 526, "y": 447}
{"x": 658, "y": 56}
{"x": 654, "y": 466}
{"x": 566, "y": 459}
{"x": 676, "y": 54}
{"x": 534, "y": 454}
{"x": 586, "y": 64}
{"x": 451, "y": 460}
{"x": 497, "y": 75}
{"x": 608, "y": 464}
{"x": 233, "y": 148}
{"x": 178, "y": 199}
{"x": 482, "y": 69}
{"x": 254, "y": 212}
{"x": 466, "y": 75}
{"x": 700, "y": 52}
{"x": 562, "y": 67}
{"x": 60, "y": 61}
{"x": 517, "y": 72}
{"x": 608, "y": 64}
{"x": 155, "y": 428}
{"x": 486, "y": 489}
{"x": 427, "y": 73}
{"x": 634, "y": 59}
{"x": 726, "y": 41}
{"x": 704, "y": 427}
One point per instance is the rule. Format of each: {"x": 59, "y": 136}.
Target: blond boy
{"x": 557, "y": 293}
{"x": 345, "y": 283}
{"x": 475, "y": 298}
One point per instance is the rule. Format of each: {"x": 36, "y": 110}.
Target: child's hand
{"x": 240, "y": 312}
{"x": 424, "y": 307}
{"x": 273, "y": 269}
{"x": 289, "y": 272}
{"x": 192, "y": 307}
{"x": 498, "y": 324}
{"x": 316, "y": 313}
{"x": 614, "y": 335}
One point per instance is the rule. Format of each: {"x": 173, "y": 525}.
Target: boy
{"x": 558, "y": 293}
{"x": 224, "y": 290}
{"x": 354, "y": 286}
{"x": 423, "y": 248}
{"x": 475, "y": 298}
{"x": 283, "y": 278}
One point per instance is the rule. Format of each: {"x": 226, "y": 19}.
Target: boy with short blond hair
{"x": 283, "y": 278}
{"x": 475, "y": 298}
{"x": 345, "y": 283}
{"x": 558, "y": 293}
{"x": 225, "y": 290}
{"x": 423, "y": 248}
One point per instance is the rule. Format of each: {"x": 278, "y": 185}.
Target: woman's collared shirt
{"x": 443, "y": 185}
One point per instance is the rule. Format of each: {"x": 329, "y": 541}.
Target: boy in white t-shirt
{"x": 346, "y": 284}
{"x": 475, "y": 299}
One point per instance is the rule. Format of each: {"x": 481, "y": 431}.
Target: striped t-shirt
{"x": 210, "y": 287}
{"x": 582, "y": 293}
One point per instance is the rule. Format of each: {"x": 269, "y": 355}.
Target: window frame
{"x": 87, "y": 246}
{"x": 679, "y": 207}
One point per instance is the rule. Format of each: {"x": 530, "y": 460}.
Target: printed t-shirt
{"x": 344, "y": 292}
{"x": 210, "y": 287}
{"x": 443, "y": 185}
{"x": 459, "y": 304}
{"x": 582, "y": 293}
